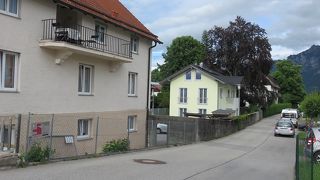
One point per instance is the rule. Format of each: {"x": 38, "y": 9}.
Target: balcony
{"x": 77, "y": 39}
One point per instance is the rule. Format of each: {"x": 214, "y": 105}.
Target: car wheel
{"x": 316, "y": 157}
{"x": 158, "y": 131}
{"x": 275, "y": 134}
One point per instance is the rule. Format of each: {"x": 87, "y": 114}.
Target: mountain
{"x": 310, "y": 62}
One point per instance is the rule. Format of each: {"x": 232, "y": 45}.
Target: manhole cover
{"x": 149, "y": 161}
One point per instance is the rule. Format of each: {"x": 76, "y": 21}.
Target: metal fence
{"x": 160, "y": 111}
{"x": 72, "y": 135}
{"x": 168, "y": 130}
{"x": 306, "y": 169}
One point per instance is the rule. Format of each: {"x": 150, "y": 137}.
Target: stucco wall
{"x": 44, "y": 87}
{"x": 193, "y": 86}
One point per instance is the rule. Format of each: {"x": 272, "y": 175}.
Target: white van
{"x": 292, "y": 114}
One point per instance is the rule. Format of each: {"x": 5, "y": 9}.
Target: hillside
{"x": 310, "y": 61}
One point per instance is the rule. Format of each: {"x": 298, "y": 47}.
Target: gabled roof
{"x": 272, "y": 82}
{"x": 114, "y": 12}
{"x": 232, "y": 80}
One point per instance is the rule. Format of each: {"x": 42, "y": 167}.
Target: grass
{"x": 305, "y": 162}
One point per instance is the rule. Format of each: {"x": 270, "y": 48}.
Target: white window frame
{"x": 184, "y": 98}
{"x": 132, "y": 123}
{"x": 204, "y": 98}
{"x": 7, "y": 5}
{"x": 82, "y": 91}
{"x": 81, "y": 124}
{"x": 186, "y": 74}
{"x": 132, "y": 90}
{"x": 198, "y": 73}
{"x": 134, "y": 44}
{"x": 2, "y": 71}
{"x": 182, "y": 112}
{"x": 202, "y": 111}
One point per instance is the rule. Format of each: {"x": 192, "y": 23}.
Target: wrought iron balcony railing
{"x": 85, "y": 37}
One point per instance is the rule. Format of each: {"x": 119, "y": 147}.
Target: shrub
{"x": 311, "y": 105}
{"x": 119, "y": 145}
{"x": 38, "y": 154}
{"x": 274, "y": 109}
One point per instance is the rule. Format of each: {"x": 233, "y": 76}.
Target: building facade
{"x": 68, "y": 56}
{"x": 195, "y": 89}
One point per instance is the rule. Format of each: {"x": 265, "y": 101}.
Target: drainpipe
{"x": 148, "y": 90}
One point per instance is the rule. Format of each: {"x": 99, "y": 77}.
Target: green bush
{"x": 274, "y": 109}
{"x": 119, "y": 145}
{"x": 38, "y": 154}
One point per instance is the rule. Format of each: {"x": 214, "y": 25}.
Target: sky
{"x": 292, "y": 26}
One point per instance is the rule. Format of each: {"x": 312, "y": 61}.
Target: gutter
{"x": 148, "y": 90}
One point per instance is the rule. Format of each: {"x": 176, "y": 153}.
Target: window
{"x": 132, "y": 84}
{"x": 198, "y": 75}
{"x": 188, "y": 75}
{"x": 8, "y": 71}
{"x": 203, "y": 95}
{"x": 134, "y": 44}
{"x": 84, "y": 128}
{"x": 9, "y": 7}
{"x": 202, "y": 111}
{"x": 100, "y": 31}
{"x": 182, "y": 112}
{"x": 85, "y": 79}
{"x": 132, "y": 123}
{"x": 183, "y": 95}
{"x": 228, "y": 93}
{"x": 221, "y": 93}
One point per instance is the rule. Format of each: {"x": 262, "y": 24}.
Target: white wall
{"x": 45, "y": 87}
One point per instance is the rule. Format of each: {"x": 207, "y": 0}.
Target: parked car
{"x": 313, "y": 136}
{"x": 292, "y": 114}
{"x": 161, "y": 128}
{"x": 284, "y": 127}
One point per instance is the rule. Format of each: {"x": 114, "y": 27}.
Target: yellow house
{"x": 196, "y": 89}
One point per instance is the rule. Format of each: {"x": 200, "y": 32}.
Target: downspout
{"x": 148, "y": 92}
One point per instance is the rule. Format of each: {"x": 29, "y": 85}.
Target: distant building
{"x": 195, "y": 89}
{"x": 273, "y": 87}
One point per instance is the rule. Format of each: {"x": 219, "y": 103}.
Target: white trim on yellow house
{"x": 213, "y": 84}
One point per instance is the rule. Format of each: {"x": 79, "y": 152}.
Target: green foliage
{"x": 274, "y": 109}
{"x": 288, "y": 76}
{"x": 119, "y": 145}
{"x": 242, "y": 117}
{"x": 38, "y": 154}
{"x": 311, "y": 105}
{"x": 21, "y": 163}
{"x": 183, "y": 51}
{"x": 241, "y": 49}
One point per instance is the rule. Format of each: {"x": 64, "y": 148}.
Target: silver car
{"x": 284, "y": 127}
{"x": 162, "y": 128}
{"x": 313, "y": 136}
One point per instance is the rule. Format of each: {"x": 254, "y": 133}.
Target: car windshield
{"x": 288, "y": 115}
{"x": 284, "y": 124}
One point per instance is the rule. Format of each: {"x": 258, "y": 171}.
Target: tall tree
{"x": 183, "y": 51}
{"x": 288, "y": 76}
{"x": 241, "y": 49}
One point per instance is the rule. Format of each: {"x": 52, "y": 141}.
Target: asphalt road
{"x": 251, "y": 154}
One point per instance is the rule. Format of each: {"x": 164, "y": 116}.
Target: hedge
{"x": 274, "y": 109}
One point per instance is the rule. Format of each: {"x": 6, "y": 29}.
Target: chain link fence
{"x": 169, "y": 130}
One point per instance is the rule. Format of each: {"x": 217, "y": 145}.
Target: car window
{"x": 284, "y": 124}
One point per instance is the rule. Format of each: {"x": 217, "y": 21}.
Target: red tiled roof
{"x": 112, "y": 11}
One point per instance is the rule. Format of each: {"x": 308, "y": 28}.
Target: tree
{"x": 288, "y": 76}
{"x": 183, "y": 51}
{"x": 311, "y": 105}
{"x": 241, "y": 49}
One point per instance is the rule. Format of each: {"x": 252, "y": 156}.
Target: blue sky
{"x": 292, "y": 25}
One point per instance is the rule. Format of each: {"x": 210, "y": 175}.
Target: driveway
{"x": 253, "y": 153}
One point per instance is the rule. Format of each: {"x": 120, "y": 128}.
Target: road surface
{"x": 251, "y": 154}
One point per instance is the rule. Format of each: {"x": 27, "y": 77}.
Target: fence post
{"x": 184, "y": 131}
{"x": 196, "y": 129}
{"x": 28, "y": 129}
{"x": 312, "y": 158}
{"x": 10, "y": 134}
{"x": 2, "y": 134}
{"x": 168, "y": 131}
{"x": 297, "y": 157}
{"x": 97, "y": 131}
{"x": 18, "y": 133}
{"x": 51, "y": 132}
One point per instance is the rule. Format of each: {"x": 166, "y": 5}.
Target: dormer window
{"x": 188, "y": 75}
{"x": 198, "y": 75}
